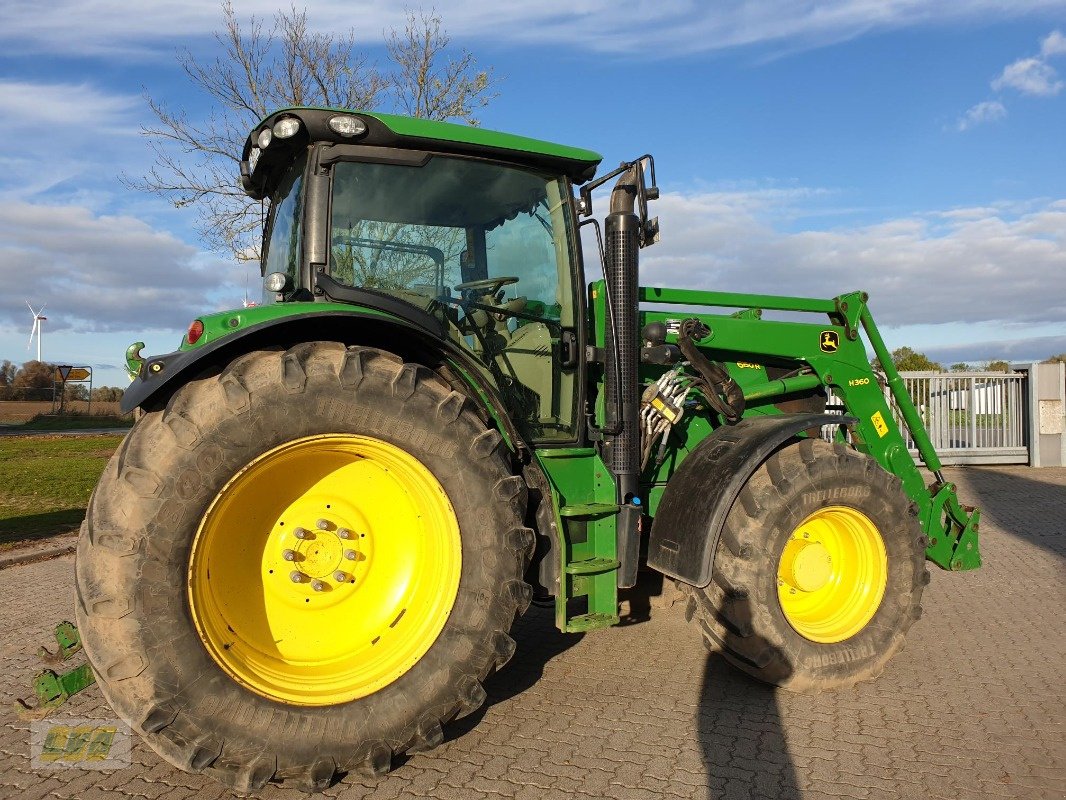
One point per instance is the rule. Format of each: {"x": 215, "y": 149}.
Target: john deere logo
{"x": 829, "y": 342}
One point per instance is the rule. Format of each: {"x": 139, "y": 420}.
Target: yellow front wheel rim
{"x": 325, "y": 569}
{"x": 831, "y": 574}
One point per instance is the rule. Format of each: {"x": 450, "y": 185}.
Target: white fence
{"x": 972, "y": 417}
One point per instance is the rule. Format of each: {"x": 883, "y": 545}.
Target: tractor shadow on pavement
{"x": 741, "y": 736}
{"x": 538, "y": 642}
{"x": 998, "y": 493}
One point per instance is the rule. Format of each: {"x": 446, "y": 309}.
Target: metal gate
{"x": 972, "y": 417}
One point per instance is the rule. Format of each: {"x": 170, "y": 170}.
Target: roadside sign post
{"x": 67, "y": 373}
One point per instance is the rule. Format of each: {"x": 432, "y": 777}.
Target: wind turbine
{"x": 38, "y": 318}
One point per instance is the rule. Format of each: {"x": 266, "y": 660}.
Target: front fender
{"x": 689, "y": 519}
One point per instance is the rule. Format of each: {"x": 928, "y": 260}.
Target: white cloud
{"x": 102, "y": 273}
{"x": 1031, "y": 76}
{"x": 79, "y": 107}
{"x": 1054, "y": 44}
{"x": 987, "y": 111}
{"x": 640, "y": 27}
{"x": 953, "y": 266}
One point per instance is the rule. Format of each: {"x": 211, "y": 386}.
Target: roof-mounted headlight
{"x": 263, "y": 140}
{"x": 286, "y": 127}
{"x": 253, "y": 158}
{"x": 346, "y": 125}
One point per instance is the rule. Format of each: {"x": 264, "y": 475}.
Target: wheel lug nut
{"x": 350, "y": 555}
{"x": 318, "y": 586}
{"x": 296, "y": 576}
{"x": 289, "y": 555}
{"x": 302, "y": 533}
{"x": 344, "y": 533}
{"x": 340, "y": 577}
{"x": 322, "y": 524}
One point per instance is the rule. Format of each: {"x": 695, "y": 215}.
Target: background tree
{"x": 263, "y": 68}
{"x": 907, "y": 360}
{"x": 76, "y": 391}
{"x": 1061, "y": 357}
{"x": 32, "y": 381}
{"x": 106, "y": 394}
{"x": 7, "y": 377}
{"x": 997, "y": 366}
{"x": 960, "y": 367}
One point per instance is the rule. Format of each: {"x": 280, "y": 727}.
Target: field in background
{"x": 16, "y": 411}
{"x": 45, "y": 482}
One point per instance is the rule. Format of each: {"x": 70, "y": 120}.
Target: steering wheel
{"x": 490, "y": 285}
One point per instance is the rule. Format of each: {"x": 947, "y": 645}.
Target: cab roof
{"x": 390, "y": 130}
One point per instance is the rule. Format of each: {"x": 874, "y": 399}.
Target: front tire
{"x": 819, "y": 572}
{"x": 206, "y": 640}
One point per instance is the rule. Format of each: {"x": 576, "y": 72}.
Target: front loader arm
{"x": 833, "y": 355}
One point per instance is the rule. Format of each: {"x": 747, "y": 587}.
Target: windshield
{"x": 484, "y": 247}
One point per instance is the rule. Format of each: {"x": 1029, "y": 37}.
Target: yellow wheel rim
{"x": 832, "y": 574}
{"x": 325, "y": 569}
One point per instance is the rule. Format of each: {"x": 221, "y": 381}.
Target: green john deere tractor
{"x": 307, "y": 554}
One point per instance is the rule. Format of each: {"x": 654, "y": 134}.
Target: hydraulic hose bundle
{"x": 661, "y": 407}
{"x": 663, "y": 403}
{"x": 714, "y": 382}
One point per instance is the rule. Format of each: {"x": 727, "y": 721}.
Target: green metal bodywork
{"x": 450, "y": 133}
{"x": 226, "y": 323}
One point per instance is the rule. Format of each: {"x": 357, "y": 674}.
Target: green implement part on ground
{"x": 52, "y": 689}
{"x": 306, "y": 557}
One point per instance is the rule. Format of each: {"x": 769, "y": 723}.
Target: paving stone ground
{"x": 974, "y": 707}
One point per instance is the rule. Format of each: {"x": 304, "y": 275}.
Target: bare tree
{"x": 422, "y": 85}
{"x": 263, "y": 68}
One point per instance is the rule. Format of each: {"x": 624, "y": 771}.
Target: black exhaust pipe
{"x": 622, "y": 229}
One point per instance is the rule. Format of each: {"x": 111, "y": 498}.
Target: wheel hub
{"x": 806, "y": 565}
{"x": 327, "y": 553}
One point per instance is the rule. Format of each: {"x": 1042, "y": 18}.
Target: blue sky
{"x": 913, "y": 149}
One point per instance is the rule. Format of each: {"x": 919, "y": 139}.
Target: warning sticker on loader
{"x": 879, "y": 424}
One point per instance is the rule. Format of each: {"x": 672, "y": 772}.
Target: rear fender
{"x": 689, "y": 519}
{"x": 161, "y": 376}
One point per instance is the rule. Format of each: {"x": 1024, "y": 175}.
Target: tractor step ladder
{"x": 588, "y": 585}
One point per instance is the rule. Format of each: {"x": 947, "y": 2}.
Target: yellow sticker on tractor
{"x": 879, "y": 424}
{"x": 664, "y": 409}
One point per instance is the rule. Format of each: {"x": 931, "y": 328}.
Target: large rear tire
{"x": 819, "y": 572}
{"x": 303, "y": 566}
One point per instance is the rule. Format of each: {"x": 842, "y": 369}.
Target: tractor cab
{"x": 468, "y": 233}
